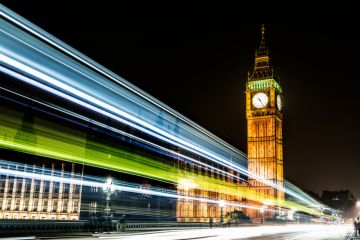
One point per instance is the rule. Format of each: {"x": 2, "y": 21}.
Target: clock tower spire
{"x": 262, "y": 67}
{"x": 263, "y": 50}
{"x": 264, "y": 126}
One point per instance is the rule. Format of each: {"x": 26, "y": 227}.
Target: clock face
{"x": 260, "y": 100}
{"x": 278, "y": 102}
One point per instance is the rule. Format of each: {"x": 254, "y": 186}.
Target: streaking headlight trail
{"x": 34, "y": 57}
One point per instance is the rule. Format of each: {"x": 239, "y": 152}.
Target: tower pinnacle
{"x": 262, "y": 67}
{"x": 262, "y": 50}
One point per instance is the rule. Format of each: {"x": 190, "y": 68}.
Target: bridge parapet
{"x": 16, "y": 227}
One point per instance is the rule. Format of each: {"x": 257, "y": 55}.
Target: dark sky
{"x": 196, "y": 61}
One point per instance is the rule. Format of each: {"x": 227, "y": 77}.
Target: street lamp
{"x": 108, "y": 188}
{"x": 262, "y": 209}
{"x": 221, "y": 205}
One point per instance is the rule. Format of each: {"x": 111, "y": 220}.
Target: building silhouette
{"x": 342, "y": 200}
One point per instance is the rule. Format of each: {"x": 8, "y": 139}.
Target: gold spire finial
{"x": 262, "y": 31}
{"x": 262, "y": 41}
{"x": 262, "y": 50}
{"x": 262, "y": 60}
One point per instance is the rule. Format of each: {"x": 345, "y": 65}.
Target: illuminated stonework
{"x": 197, "y": 211}
{"x": 38, "y": 199}
{"x": 264, "y": 124}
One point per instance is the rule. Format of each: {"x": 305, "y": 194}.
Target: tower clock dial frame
{"x": 260, "y": 100}
{"x": 279, "y": 102}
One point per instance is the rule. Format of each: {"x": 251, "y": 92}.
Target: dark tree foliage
{"x": 236, "y": 217}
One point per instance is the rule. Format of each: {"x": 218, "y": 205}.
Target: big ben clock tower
{"x": 264, "y": 125}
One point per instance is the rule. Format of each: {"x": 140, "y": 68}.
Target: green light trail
{"x": 37, "y": 136}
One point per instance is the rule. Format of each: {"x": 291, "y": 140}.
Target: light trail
{"x": 146, "y": 143}
{"x": 54, "y": 144}
{"x": 152, "y": 145}
{"x": 31, "y": 175}
{"x": 39, "y": 66}
{"x": 99, "y": 110}
{"x": 160, "y": 133}
{"x": 58, "y": 44}
{"x": 215, "y": 187}
{"x": 193, "y": 138}
{"x": 289, "y": 231}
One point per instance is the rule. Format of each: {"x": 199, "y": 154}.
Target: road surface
{"x": 278, "y": 232}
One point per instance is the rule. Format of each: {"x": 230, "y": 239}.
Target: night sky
{"x": 197, "y": 62}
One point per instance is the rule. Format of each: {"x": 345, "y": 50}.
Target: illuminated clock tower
{"x": 264, "y": 125}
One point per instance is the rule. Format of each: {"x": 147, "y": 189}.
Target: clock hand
{"x": 261, "y": 102}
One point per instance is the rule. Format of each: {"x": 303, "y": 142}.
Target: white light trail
{"x": 149, "y": 129}
{"x": 70, "y": 113}
{"x": 289, "y": 231}
{"x": 95, "y": 104}
{"x": 58, "y": 44}
{"x": 142, "y": 125}
{"x": 31, "y": 175}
